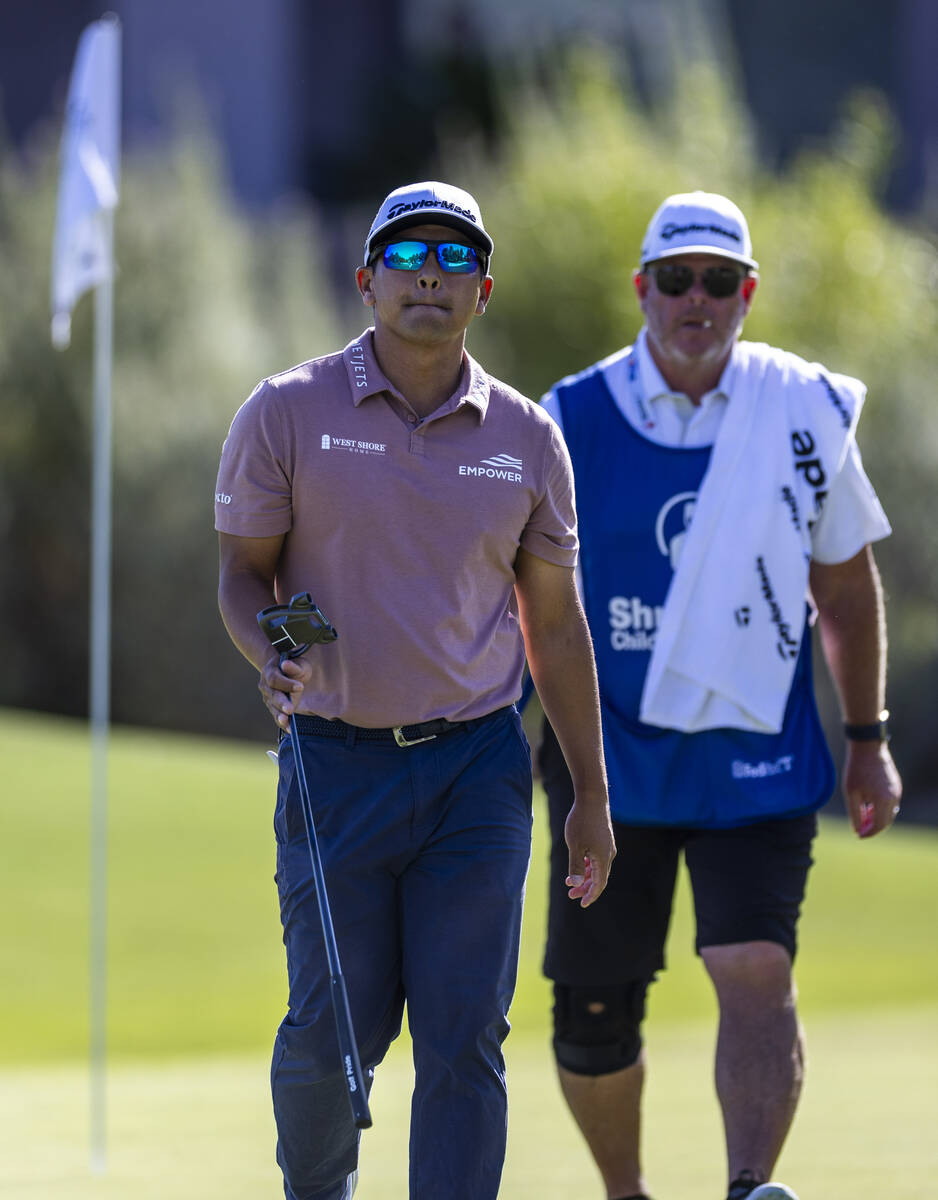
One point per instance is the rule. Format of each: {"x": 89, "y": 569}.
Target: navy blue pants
{"x": 425, "y": 851}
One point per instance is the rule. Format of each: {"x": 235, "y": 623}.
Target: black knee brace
{"x": 596, "y": 1029}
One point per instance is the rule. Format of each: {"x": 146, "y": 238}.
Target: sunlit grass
{"x": 196, "y": 988}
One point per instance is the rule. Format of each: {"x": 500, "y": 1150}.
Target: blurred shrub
{"x": 206, "y": 303}
{"x": 568, "y": 199}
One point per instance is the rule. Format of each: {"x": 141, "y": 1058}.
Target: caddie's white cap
{"x": 698, "y": 223}
{"x": 428, "y": 203}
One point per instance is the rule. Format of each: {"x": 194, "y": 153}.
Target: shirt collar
{"x": 367, "y": 379}
{"x": 478, "y": 389}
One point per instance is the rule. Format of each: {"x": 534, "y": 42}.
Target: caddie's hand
{"x": 588, "y": 832}
{"x": 281, "y": 686}
{"x": 872, "y": 787}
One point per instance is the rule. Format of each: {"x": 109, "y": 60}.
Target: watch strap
{"x": 878, "y": 731}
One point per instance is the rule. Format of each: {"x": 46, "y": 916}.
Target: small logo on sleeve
{"x": 222, "y": 498}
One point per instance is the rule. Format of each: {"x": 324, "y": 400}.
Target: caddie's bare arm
{"x": 246, "y": 571}
{"x": 851, "y": 618}
{"x": 560, "y": 655}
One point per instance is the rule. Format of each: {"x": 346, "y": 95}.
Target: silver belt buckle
{"x": 402, "y": 741}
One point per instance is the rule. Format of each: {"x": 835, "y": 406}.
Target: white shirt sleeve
{"x": 851, "y": 517}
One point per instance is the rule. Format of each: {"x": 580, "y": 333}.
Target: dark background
{"x": 342, "y": 101}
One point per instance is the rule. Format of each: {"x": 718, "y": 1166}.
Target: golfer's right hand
{"x": 592, "y": 847}
{"x": 281, "y": 686}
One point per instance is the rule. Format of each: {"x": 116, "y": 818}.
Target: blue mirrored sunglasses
{"x": 453, "y": 257}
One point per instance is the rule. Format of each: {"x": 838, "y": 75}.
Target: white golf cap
{"x": 698, "y": 223}
{"x": 428, "y": 203}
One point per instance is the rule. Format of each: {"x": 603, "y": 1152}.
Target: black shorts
{"x": 748, "y": 884}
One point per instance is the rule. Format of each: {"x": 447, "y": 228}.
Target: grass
{"x": 196, "y": 987}
{"x": 201, "y": 1128}
{"x": 196, "y": 963}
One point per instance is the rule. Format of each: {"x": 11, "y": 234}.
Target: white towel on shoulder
{"x": 726, "y": 647}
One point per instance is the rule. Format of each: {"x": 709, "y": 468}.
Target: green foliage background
{"x": 209, "y": 300}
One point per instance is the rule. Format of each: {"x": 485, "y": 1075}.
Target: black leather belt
{"x": 405, "y": 735}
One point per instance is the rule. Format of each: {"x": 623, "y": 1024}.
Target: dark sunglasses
{"x": 674, "y": 279}
{"x": 454, "y": 258}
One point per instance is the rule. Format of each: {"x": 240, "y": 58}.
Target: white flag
{"x": 89, "y": 168}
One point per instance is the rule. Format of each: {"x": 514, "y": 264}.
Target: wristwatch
{"x": 877, "y": 732}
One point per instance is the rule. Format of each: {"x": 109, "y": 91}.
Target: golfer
{"x": 719, "y": 488}
{"x": 429, "y": 510}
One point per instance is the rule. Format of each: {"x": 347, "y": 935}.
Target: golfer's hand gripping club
{"x": 291, "y": 629}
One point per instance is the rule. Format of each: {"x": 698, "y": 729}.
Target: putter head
{"x": 292, "y": 628}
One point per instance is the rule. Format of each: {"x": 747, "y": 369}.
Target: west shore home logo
{"x": 501, "y": 466}
{"x": 331, "y": 442}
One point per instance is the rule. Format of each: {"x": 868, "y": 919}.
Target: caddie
{"x": 722, "y": 505}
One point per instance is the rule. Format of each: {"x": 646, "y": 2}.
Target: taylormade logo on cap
{"x": 405, "y": 206}
{"x": 698, "y": 223}
{"x": 428, "y": 203}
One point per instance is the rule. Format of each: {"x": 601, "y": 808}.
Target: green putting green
{"x": 196, "y": 987}
{"x": 201, "y": 1128}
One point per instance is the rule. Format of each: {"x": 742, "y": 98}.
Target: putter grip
{"x": 354, "y": 1077}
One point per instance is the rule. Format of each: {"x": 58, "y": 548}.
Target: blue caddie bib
{"x": 635, "y": 501}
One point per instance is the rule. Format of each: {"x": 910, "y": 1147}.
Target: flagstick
{"x": 99, "y": 702}
{"x": 82, "y": 258}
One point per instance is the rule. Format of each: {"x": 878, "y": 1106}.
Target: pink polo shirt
{"x": 405, "y": 531}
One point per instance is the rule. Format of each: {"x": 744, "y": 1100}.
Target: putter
{"x": 292, "y": 628}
